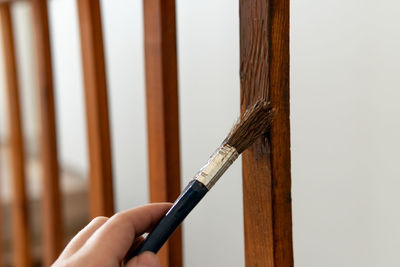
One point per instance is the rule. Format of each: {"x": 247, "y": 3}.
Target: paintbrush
{"x": 254, "y": 122}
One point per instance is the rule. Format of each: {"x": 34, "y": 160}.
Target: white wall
{"x": 345, "y": 60}
{"x": 344, "y": 93}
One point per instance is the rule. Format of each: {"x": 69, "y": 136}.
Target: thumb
{"x": 146, "y": 259}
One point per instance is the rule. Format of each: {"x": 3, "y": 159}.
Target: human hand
{"x": 106, "y": 241}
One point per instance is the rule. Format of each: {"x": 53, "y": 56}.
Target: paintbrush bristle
{"x": 253, "y": 123}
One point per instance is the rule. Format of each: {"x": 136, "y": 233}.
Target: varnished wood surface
{"x": 101, "y": 184}
{"x": 51, "y": 206}
{"x": 162, "y": 113}
{"x": 20, "y": 230}
{"x": 264, "y": 55}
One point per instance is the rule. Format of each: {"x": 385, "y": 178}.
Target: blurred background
{"x": 345, "y": 82}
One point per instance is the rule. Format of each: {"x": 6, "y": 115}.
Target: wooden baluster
{"x": 162, "y": 113}
{"x": 264, "y": 55}
{"x": 101, "y": 187}
{"x": 52, "y": 222}
{"x": 20, "y": 225}
{"x": 1, "y": 215}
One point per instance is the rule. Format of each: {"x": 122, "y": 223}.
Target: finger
{"x": 139, "y": 240}
{"x": 79, "y": 240}
{"x": 113, "y": 240}
{"x": 148, "y": 259}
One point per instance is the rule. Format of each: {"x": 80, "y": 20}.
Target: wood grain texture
{"x": 162, "y": 113}
{"x": 101, "y": 184}
{"x": 264, "y": 73}
{"x": 20, "y": 226}
{"x": 51, "y": 205}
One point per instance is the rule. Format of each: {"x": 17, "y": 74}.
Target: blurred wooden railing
{"x": 264, "y": 40}
{"x": 21, "y": 244}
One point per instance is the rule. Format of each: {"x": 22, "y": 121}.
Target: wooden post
{"x": 20, "y": 225}
{"x": 162, "y": 113}
{"x": 101, "y": 186}
{"x": 1, "y": 218}
{"x": 52, "y": 218}
{"x": 264, "y": 73}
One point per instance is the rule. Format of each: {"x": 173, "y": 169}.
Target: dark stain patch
{"x": 254, "y": 65}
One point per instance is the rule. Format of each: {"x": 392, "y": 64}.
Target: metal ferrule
{"x": 218, "y": 163}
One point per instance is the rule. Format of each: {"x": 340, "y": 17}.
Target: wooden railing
{"x": 21, "y": 240}
{"x": 52, "y": 220}
{"x": 264, "y": 49}
{"x": 264, "y": 73}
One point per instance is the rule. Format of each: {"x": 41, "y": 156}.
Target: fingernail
{"x": 148, "y": 259}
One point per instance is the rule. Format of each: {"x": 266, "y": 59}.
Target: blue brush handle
{"x": 188, "y": 199}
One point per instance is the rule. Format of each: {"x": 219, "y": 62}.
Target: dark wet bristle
{"x": 254, "y": 122}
